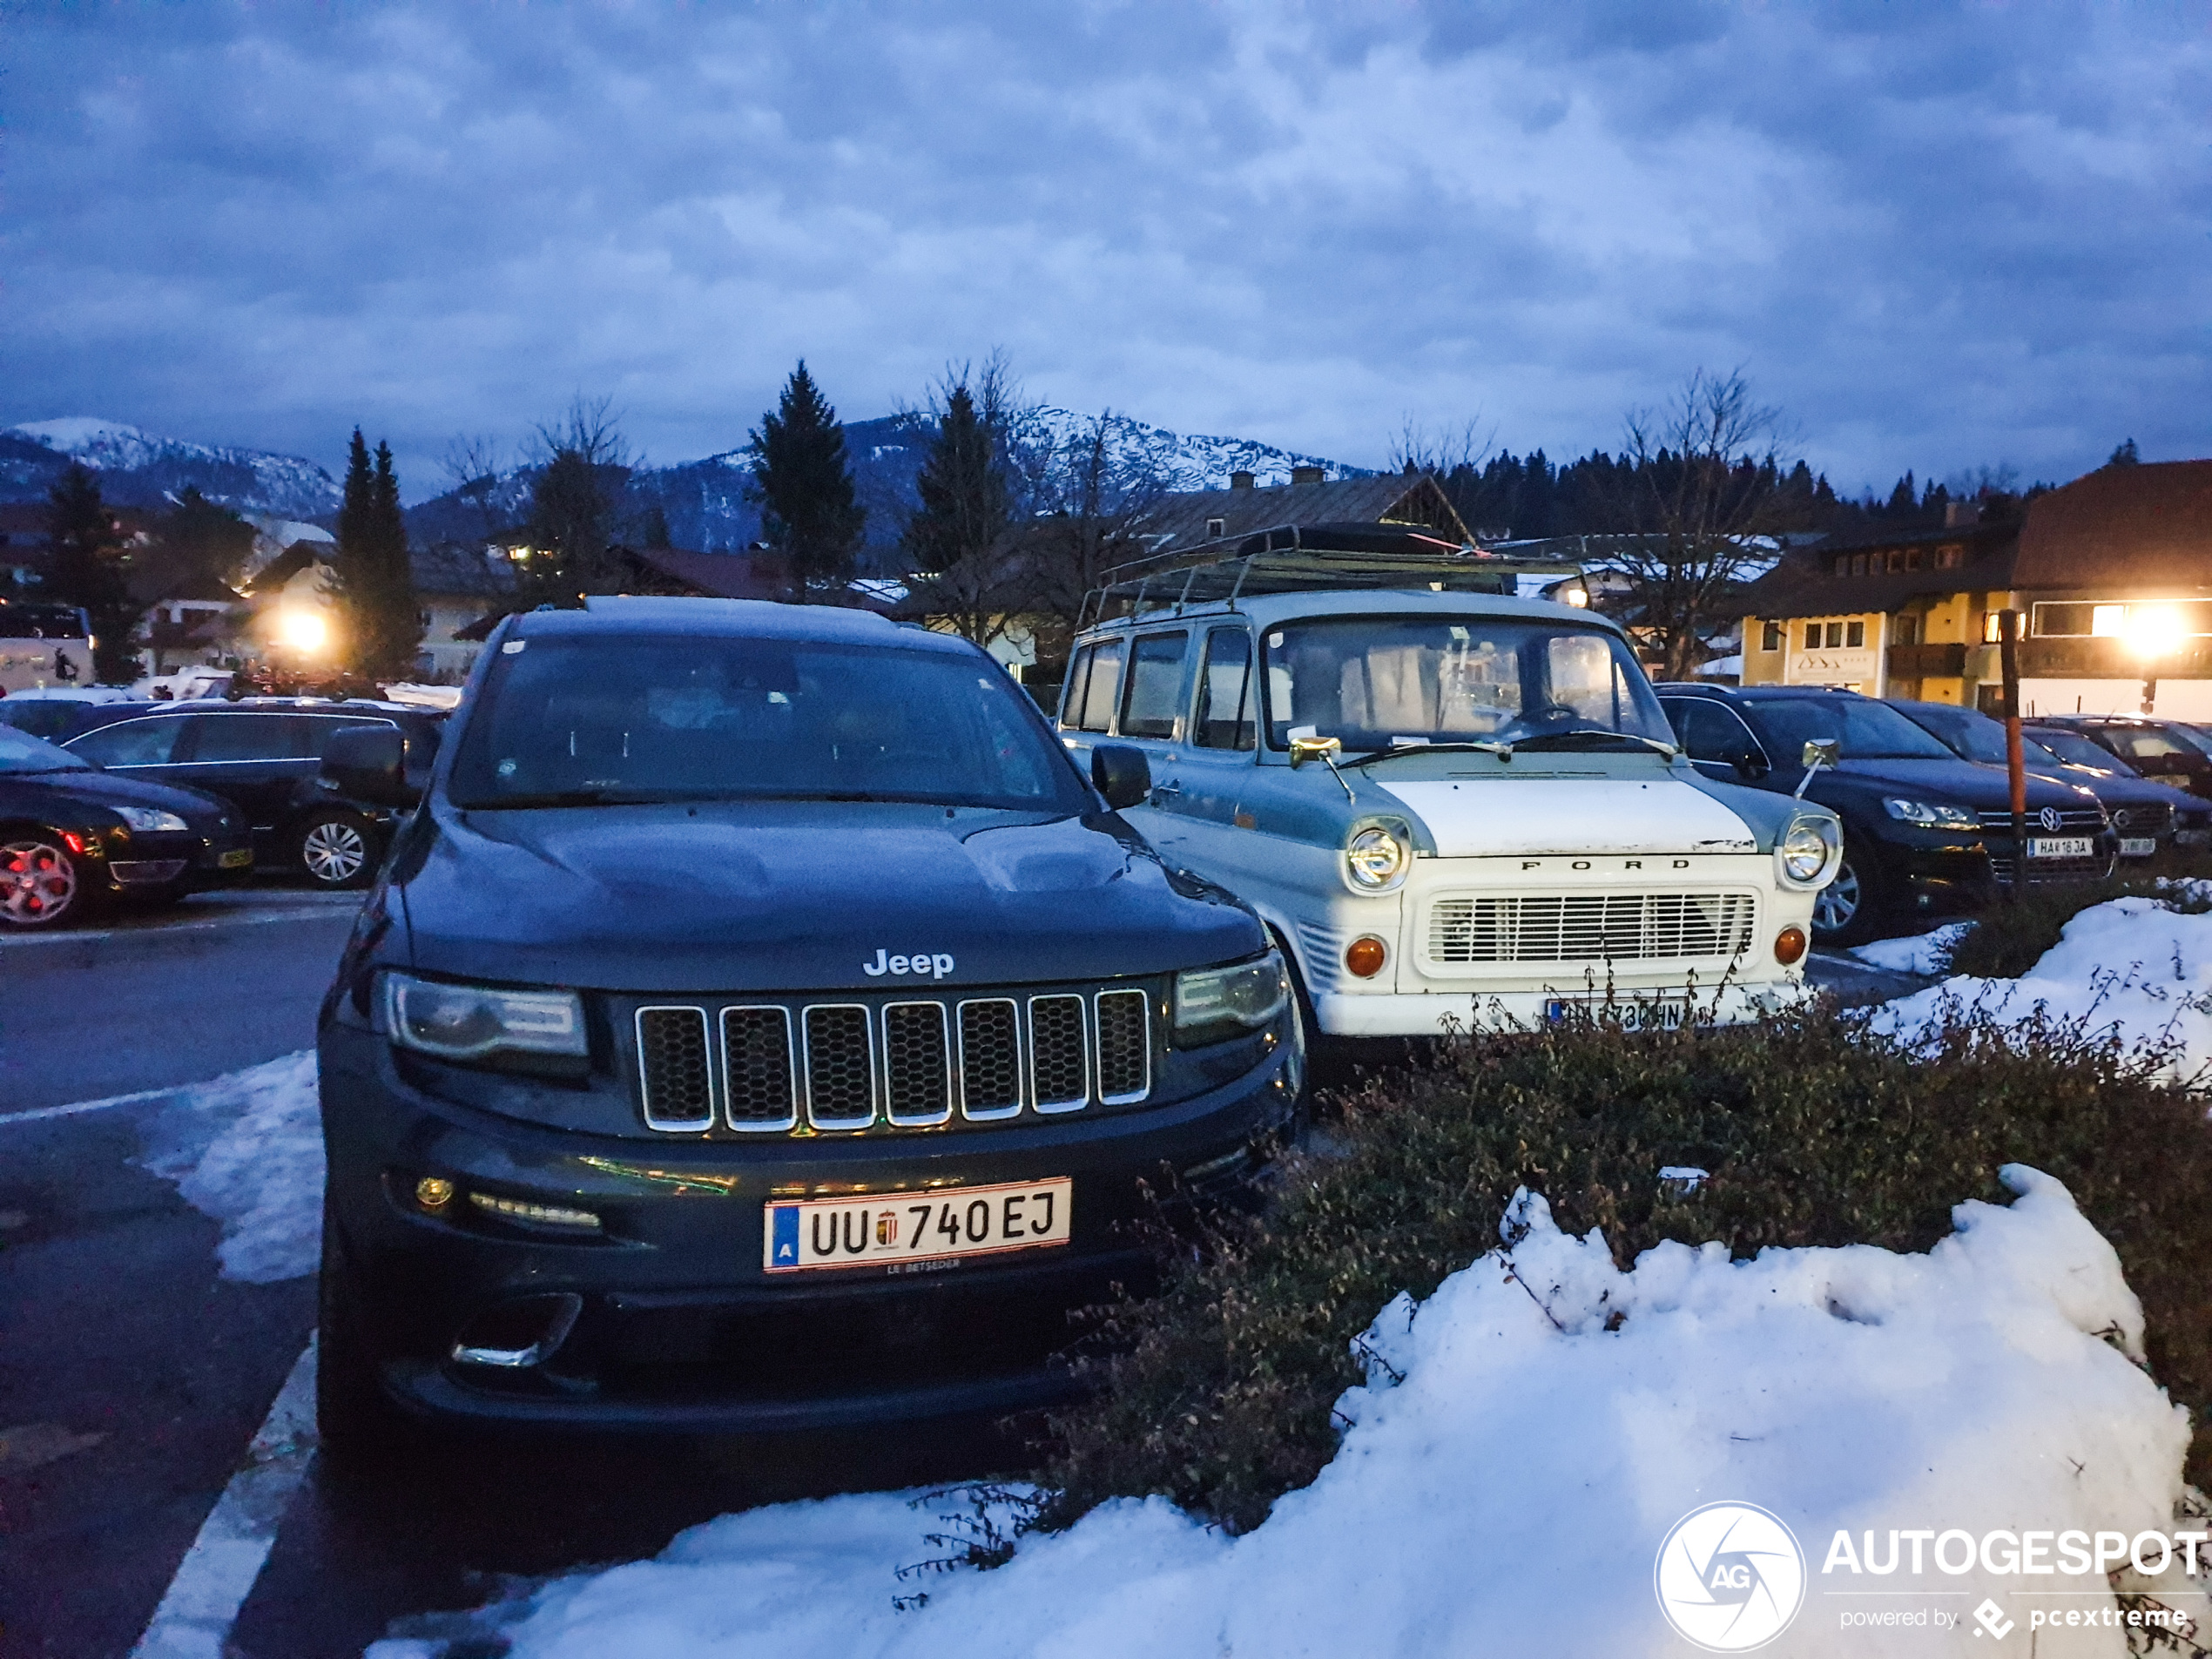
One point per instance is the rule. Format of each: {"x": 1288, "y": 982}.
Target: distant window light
{"x": 2107, "y": 622}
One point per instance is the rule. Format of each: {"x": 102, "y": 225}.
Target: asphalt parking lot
{"x": 135, "y": 1375}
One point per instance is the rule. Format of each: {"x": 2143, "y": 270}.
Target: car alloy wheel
{"x": 38, "y": 883}
{"x": 1839, "y": 903}
{"x": 335, "y": 851}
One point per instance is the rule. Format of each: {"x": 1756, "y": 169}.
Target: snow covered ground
{"x": 2131, "y": 966}
{"x": 247, "y": 1149}
{"x": 1526, "y": 1439}
{"x": 1927, "y": 953}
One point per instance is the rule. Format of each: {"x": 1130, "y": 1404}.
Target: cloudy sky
{"x": 1937, "y": 236}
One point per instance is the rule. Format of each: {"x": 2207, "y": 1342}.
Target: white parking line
{"x": 39, "y": 1114}
{"x": 217, "y": 1573}
{"x": 164, "y": 930}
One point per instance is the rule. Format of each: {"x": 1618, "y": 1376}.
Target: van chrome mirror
{"x": 1819, "y": 751}
{"x": 1305, "y": 749}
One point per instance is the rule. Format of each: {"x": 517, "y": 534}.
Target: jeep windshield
{"x": 1381, "y": 683}
{"x": 609, "y": 720}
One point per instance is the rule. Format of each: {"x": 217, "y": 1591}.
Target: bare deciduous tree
{"x": 583, "y": 466}
{"x": 472, "y": 464}
{"x": 1701, "y": 499}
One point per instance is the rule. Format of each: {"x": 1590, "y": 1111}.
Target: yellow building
{"x": 1891, "y": 614}
{"x": 2113, "y": 574}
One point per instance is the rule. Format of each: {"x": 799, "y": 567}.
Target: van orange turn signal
{"x": 1365, "y": 956}
{"x": 1790, "y": 946}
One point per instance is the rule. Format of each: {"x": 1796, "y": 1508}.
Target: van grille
{"x": 1589, "y": 927}
{"x": 915, "y": 1063}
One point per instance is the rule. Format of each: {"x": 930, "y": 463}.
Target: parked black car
{"x": 762, "y": 1025}
{"x": 2147, "y": 817}
{"x": 265, "y": 756}
{"x": 72, "y": 837}
{"x": 2166, "y": 752}
{"x": 59, "y": 719}
{"x": 1923, "y": 829}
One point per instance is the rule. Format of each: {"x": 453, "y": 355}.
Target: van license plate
{"x": 2061, "y": 847}
{"x": 1664, "y": 1014}
{"x": 2138, "y": 846}
{"x": 237, "y": 859}
{"x": 890, "y": 1229}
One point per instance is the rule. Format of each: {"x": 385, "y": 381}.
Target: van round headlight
{"x": 1376, "y": 858}
{"x": 1803, "y": 853}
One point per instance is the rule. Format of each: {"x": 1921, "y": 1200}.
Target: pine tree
{"x": 955, "y": 540}
{"x": 805, "y": 486}
{"x": 87, "y": 571}
{"x": 376, "y": 582}
{"x": 2125, "y": 456}
{"x": 579, "y": 485}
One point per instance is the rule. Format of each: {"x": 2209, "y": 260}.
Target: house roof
{"x": 719, "y": 576}
{"x": 1185, "y": 518}
{"x": 2140, "y": 526}
{"x": 1803, "y": 582}
{"x": 452, "y": 569}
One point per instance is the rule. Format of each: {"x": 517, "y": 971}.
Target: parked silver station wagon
{"x": 1451, "y": 807}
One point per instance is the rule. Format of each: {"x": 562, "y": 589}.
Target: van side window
{"x": 1105, "y": 681}
{"x": 1154, "y": 686}
{"x": 1226, "y": 715}
{"x": 1071, "y": 694}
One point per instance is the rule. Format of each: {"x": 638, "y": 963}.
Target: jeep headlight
{"x": 1930, "y": 815}
{"x": 1377, "y": 858}
{"x": 148, "y": 821}
{"x": 475, "y": 1022}
{"x": 1214, "y": 1003}
{"x": 1804, "y": 856}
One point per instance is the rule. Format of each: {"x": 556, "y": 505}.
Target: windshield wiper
{"x": 1546, "y": 739}
{"x": 1476, "y": 744}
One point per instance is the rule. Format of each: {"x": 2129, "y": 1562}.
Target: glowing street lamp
{"x": 2153, "y": 631}
{"x": 305, "y": 632}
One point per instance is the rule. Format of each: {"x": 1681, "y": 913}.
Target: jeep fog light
{"x": 1790, "y": 946}
{"x": 1213, "y": 1003}
{"x": 470, "y": 1022}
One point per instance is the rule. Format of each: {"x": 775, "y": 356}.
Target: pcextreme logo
{"x": 1729, "y": 1577}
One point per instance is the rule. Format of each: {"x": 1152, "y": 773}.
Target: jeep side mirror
{"x": 1121, "y": 773}
{"x": 368, "y": 764}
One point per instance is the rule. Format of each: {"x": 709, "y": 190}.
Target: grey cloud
{"x": 1939, "y": 236}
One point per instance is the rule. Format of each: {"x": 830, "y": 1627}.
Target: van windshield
{"x": 608, "y": 719}
{"x": 1378, "y": 682}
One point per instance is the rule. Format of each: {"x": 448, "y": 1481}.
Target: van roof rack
{"x": 1310, "y": 558}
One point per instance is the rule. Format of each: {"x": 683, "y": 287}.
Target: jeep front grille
{"x": 673, "y": 1067}
{"x": 917, "y": 1062}
{"x": 1588, "y": 928}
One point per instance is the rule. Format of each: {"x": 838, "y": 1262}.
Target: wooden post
{"x": 2008, "y": 628}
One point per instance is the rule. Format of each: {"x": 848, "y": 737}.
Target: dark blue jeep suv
{"x": 762, "y": 1024}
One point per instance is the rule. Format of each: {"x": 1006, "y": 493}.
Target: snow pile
{"x": 1925, "y": 954}
{"x": 1526, "y": 1439}
{"x": 247, "y": 1149}
{"x": 2133, "y": 967}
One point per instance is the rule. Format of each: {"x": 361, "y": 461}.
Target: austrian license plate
{"x": 893, "y": 1229}
{"x": 2137, "y": 847}
{"x": 2061, "y": 847}
{"x": 236, "y": 859}
{"x": 1662, "y": 1014}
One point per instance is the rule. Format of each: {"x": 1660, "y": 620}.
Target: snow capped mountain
{"x": 143, "y": 469}
{"x": 707, "y": 502}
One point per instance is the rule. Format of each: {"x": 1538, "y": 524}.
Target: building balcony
{"x": 1927, "y": 661}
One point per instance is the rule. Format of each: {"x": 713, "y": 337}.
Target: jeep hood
{"x": 792, "y": 896}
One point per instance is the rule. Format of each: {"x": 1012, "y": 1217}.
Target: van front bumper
{"x": 1431, "y": 1014}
